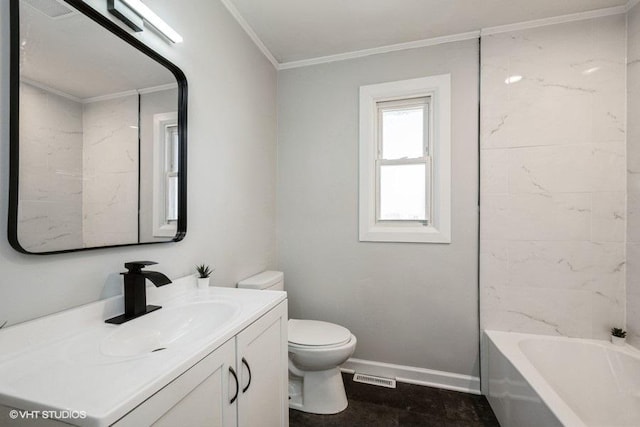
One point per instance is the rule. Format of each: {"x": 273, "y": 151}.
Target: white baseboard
{"x": 413, "y": 375}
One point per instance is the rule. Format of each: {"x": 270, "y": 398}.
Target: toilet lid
{"x": 316, "y": 333}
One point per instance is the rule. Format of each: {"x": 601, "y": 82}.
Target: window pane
{"x": 172, "y": 198}
{"x": 172, "y": 149}
{"x": 402, "y": 192}
{"x": 403, "y": 133}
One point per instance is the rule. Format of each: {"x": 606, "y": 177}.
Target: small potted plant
{"x": 618, "y": 336}
{"x": 203, "y": 275}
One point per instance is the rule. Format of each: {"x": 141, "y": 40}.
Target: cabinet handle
{"x": 235, "y": 377}
{"x": 245, "y": 363}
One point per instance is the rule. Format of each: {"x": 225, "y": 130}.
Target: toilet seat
{"x": 314, "y": 333}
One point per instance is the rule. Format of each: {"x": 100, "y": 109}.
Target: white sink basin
{"x": 74, "y": 360}
{"x": 167, "y": 327}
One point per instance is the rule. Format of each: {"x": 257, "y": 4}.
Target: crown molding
{"x": 382, "y": 49}
{"x": 598, "y": 13}
{"x": 252, "y": 34}
{"x": 46, "y": 88}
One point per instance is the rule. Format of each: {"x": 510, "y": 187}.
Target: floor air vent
{"x": 373, "y": 380}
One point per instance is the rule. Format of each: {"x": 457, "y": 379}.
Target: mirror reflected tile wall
{"x": 110, "y": 171}
{"x": 79, "y": 166}
{"x": 51, "y": 197}
{"x": 553, "y": 179}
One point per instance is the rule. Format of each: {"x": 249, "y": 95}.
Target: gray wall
{"x": 232, "y": 160}
{"x": 408, "y": 304}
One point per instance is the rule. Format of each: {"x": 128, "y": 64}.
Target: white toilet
{"x": 316, "y": 349}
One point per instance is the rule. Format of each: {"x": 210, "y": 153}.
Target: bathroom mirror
{"x": 97, "y": 133}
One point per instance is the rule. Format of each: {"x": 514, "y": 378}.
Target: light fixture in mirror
{"x": 98, "y": 133}
{"x": 135, "y": 14}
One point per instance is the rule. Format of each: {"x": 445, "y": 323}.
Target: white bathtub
{"x": 536, "y": 380}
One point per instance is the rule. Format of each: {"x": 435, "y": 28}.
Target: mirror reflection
{"x": 99, "y": 141}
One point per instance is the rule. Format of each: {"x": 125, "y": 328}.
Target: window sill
{"x": 166, "y": 230}
{"x": 417, "y": 234}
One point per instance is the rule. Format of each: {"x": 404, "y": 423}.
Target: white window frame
{"x": 437, "y": 229}
{"x": 161, "y": 226}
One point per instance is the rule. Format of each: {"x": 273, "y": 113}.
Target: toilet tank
{"x": 271, "y": 280}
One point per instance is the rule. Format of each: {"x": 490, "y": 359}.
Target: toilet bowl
{"x": 316, "y": 350}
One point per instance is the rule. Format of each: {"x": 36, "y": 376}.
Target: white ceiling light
{"x": 131, "y": 12}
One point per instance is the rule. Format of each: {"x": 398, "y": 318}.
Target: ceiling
{"x": 75, "y": 56}
{"x": 294, "y": 30}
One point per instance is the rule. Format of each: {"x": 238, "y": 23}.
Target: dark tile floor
{"x": 407, "y": 406}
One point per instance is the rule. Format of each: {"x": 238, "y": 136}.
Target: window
{"x": 171, "y": 174}
{"x": 402, "y": 162}
{"x": 405, "y": 161}
{"x": 165, "y": 174}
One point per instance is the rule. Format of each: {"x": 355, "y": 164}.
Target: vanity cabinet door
{"x": 199, "y": 397}
{"x": 262, "y": 362}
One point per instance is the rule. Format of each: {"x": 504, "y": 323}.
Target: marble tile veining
{"x": 50, "y": 171}
{"x": 554, "y": 179}
{"x": 78, "y": 168}
{"x": 110, "y": 182}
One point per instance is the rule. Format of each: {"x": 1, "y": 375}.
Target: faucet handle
{"x": 137, "y": 266}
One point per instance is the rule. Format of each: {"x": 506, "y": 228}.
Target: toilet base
{"x": 318, "y": 392}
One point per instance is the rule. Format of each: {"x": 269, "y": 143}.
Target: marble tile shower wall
{"x": 78, "y": 163}
{"x": 553, "y": 179}
{"x": 633, "y": 175}
{"x": 110, "y": 168}
{"x": 50, "y": 170}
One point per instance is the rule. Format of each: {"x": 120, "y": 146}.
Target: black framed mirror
{"x": 98, "y": 135}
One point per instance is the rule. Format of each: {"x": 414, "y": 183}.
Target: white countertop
{"x": 55, "y": 362}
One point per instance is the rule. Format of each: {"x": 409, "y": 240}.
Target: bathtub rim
{"x": 508, "y": 344}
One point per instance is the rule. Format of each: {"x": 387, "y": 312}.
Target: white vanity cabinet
{"x": 262, "y": 361}
{"x": 198, "y": 397}
{"x": 207, "y": 394}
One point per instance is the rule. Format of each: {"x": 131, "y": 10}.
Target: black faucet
{"x": 135, "y": 296}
